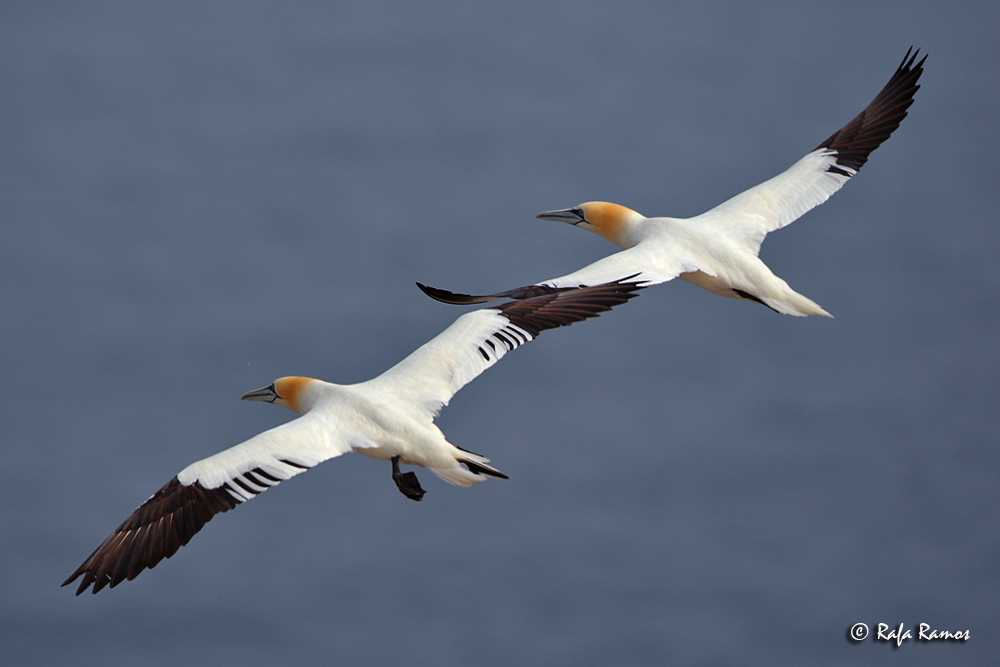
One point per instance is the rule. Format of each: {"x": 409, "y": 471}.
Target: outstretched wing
{"x": 642, "y": 265}
{"x": 753, "y": 213}
{"x": 172, "y": 515}
{"x": 477, "y": 340}
{"x": 809, "y": 182}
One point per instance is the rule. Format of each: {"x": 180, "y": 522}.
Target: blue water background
{"x": 197, "y": 198}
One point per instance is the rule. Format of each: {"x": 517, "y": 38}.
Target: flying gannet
{"x": 718, "y": 249}
{"x": 390, "y": 417}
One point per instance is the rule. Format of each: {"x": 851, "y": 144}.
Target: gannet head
{"x": 612, "y": 221}
{"x": 288, "y": 392}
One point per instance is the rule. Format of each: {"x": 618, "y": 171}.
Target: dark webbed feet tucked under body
{"x": 406, "y": 482}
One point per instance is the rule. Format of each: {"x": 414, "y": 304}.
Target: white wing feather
{"x": 436, "y": 370}
{"x": 643, "y": 264}
{"x": 778, "y": 201}
{"x": 281, "y": 452}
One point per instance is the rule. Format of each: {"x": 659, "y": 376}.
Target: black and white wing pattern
{"x": 172, "y": 515}
{"x": 477, "y": 340}
{"x": 643, "y": 265}
{"x": 809, "y": 182}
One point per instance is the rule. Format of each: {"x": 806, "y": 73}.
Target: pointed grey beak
{"x": 263, "y": 394}
{"x": 573, "y": 216}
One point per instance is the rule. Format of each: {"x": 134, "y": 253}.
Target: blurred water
{"x": 199, "y": 198}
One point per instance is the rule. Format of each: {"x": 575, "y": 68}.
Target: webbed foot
{"x": 406, "y": 482}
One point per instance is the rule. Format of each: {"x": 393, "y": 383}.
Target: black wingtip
{"x": 854, "y": 142}
{"x": 517, "y": 294}
{"x": 72, "y": 578}
{"x": 444, "y": 296}
{"x": 154, "y": 531}
{"x": 564, "y": 306}
{"x": 910, "y": 57}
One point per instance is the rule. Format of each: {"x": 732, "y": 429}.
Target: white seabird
{"x": 390, "y": 417}
{"x": 718, "y": 250}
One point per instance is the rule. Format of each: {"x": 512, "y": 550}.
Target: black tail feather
{"x": 481, "y": 469}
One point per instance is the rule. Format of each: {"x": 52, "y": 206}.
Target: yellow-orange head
{"x": 612, "y": 221}
{"x": 288, "y": 392}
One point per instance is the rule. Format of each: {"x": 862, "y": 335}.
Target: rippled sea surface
{"x": 199, "y": 198}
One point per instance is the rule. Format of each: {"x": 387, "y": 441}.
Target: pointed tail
{"x": 794, "y": 304}
{"x": 471, "y": 468}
